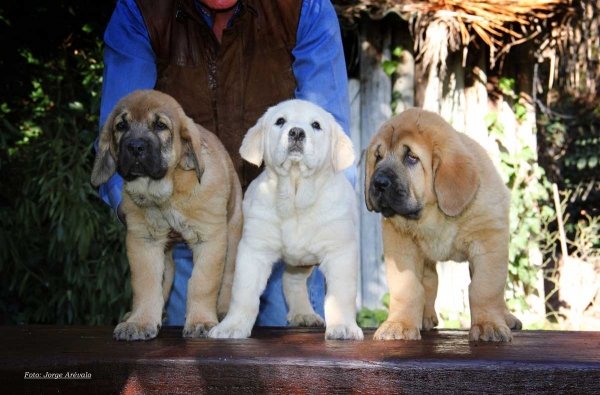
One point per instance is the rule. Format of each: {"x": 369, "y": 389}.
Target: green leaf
{"x": 389, "y": 66}
{"x": 386, "y": 300}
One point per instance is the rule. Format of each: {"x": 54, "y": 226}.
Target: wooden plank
{"x": 297, "y": 361}
{"x": 376, "y": 94}
{"x": 354, "y": 94}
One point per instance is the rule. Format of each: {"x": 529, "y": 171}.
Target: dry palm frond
{"x": 573, "y": 48}
{"x": 499, "y": 23}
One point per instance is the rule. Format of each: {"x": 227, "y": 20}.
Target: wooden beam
{"x": 375, "y": 92}
{"x": 285, "y": 361}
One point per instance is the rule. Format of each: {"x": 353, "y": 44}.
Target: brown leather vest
{"x": 225, "y": 86}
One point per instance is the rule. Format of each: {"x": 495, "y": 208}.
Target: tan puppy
{"x": 177, "y": 177}
{"x": 442, "y": 199}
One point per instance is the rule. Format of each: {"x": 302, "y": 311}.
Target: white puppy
{"x": 302, "y": 209}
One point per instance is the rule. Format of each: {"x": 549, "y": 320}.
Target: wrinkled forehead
{"x": 145, "y": 108}
{"x": 299, "y": 111}
{"x": 412, "y": 127}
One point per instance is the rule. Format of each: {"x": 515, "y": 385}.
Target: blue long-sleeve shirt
{"x": 319, "y": 67}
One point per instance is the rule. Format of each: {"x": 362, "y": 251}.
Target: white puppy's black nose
{"x": 296, "y": 134}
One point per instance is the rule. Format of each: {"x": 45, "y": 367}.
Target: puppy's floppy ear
{"x": 104, "y": 164}
{"x": 253, "y": 147}
{"x": 342, "y": 151}
{"x": 369, "y": 169}
{"x": 192, "y": 147}
{"x": 456, "y": 180}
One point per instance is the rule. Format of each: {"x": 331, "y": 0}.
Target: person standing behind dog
{"x": 226, "y": 62}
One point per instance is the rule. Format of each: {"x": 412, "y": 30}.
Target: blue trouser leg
{"x": 273, "y": 308}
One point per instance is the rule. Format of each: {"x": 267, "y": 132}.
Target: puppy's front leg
{"x": 252, "y": 270}
{"x": 341, "y": 273}
{"x": 296, "y": 295}
{"x": 146, "y": 261}
{"x": 203, "y": 286}
{"x": 404, "y": 272}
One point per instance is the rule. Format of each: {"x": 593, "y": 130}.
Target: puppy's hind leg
{"x": 296, "y": 296}
{"x": 486, "y": 296}
{"x": 512, "y": 321}
{"x": 234, "y": 234}
{"x": 430, "y": 285}
{"x": 167, "y": 282}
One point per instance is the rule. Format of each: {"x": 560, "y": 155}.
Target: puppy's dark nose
{"x": 381, "y": 182}
{"x": 297, "y": 134}
{"x": 136, "y": 148}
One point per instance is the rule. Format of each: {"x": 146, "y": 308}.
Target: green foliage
{"x": 367, "y": 318}
{"x": 507, "y": 86}
{"x": 61, "y": 250}
{"x": 390, "y": 66}
{"x": 453, "y": 319}
{"x": 529, "y": 186}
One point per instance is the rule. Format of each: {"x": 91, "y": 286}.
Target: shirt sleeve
{"x": 129, "y": 64}
{"x": 319, "y": 65}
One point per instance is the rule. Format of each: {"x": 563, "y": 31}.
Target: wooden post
{"x": 354, "y": 94}
{"x": 476, "y": 99}
{"x": 404, "y": 82}
{"x": 375, "y": 90}
{"x": 452, "y": 100}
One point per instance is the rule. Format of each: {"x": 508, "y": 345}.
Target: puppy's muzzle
{"x": 381, "y": 186}
{"x": 390, "y": 196}
{"x": 139, "y": 157}
{"x": 296, "y": 139}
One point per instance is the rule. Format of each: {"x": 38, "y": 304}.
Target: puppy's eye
{"x": 159, "y": 125}
{"x": 411, "y": 159}
{"x": 280, "y": 122}
{"x": 121, "y": 126}
{"x": 316, "y": 126}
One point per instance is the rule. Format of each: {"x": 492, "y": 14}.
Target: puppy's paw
{"x": 135, "y": 331}
{"x": 396, "y": 331}
{"x": 430, "y": 322}
{"x": 230, "y": 330}
{"x": 489, "y": 331}
{"x": 344, "y": 332}
{"x": 512, "y": 322}
{"x": 193, "y": 331}
{"x": 165, "y": 316}
{"x": 305, "y": 320}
